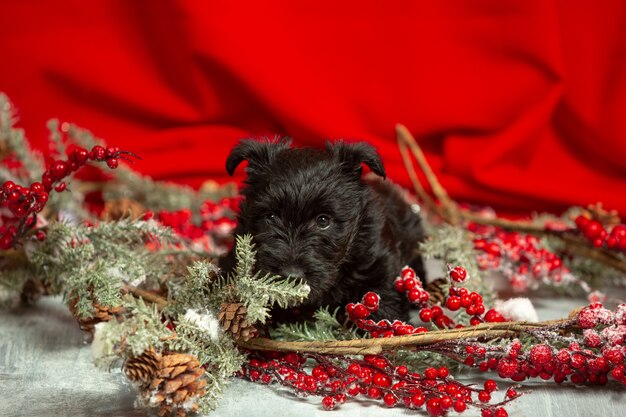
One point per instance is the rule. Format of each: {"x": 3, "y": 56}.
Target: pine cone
{"x": 143, "y": 368}
{"x": 438, "y": 290}
{"x": 122, "y": 208}
{"x": 100, "y": 313}
{"x": 168, "y": 382}
{"x": 233, "y": 318}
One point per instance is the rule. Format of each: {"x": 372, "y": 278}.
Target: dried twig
{"x": 376, "y": 346}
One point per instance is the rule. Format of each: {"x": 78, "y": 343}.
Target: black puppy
{"x": 313, "y": 216}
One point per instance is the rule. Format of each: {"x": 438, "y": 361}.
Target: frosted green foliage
{"x": 140, "y": 328}
{"x": 324, "y": 327}
{"x": 201, "y": 288}
{"x": 93, "y": 263}
{"x": 260, "y": 292}
{"x": 17, "y": 143}
{"x": 55, "y": 136}
{"x": 454, "y": 246}
{"x": 219, "y": 351}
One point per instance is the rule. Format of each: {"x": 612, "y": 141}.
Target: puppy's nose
{"x": 292, "y": 272}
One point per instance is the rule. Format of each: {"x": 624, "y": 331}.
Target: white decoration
{"x": 205, "y": 321}
{"x": 517, "y": 309}
{"x": 100, "y": 347}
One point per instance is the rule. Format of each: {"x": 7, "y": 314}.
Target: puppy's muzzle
{"x": 292, "y": 272}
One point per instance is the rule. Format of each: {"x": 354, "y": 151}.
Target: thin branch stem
{"x": 376, "y": 346}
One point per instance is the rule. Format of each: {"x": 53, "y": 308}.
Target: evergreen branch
{"x": 325, "y": 327}
{"x": 17, "y": 143}
{"x": 55, "y": 136}
{"x": 202, "y": 287}
{"x": 258, "y": 292}
{"x": 245, "y": 255}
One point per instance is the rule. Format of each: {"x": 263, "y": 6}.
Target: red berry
{"x": 371, "y": 300}
{"x": 426, "y": 315}
{"x": 484, "y": 396}
{"x": 501, "y": 412}
{"x": 390, "y": 399}
{"x": 360, "y": 311}
{"x": 8, "y": 186}
{"x": 418, "y": 400}
{"x": 111, "y": 151}
{"x": 480, "y": 308}
{"x": 59, "y": 169}
{"x": 490, "y": 385}
{"x": 328, "y": 402}
{"x": 80, "y": 155}
{"x": 540, "y": 354}
{"x": 60, "y": 187}
{"x": 443, "y": 372}
{"x": 453, "y": 303}
{"x": 433, "y": 407}
{"x": 511, "y": 393}
{"x": 436, "y": 311}
{"x": 97, "y": 153}
{"x": 465, "y": 301}
{"x": 41, "y": 235}
{"x": 36, "y": 188}
{"x": 407, "y": 272}
{"x": 458, "y": 274}
{"x": 430, "y": 373}
{"x": 381, "y": 380}
{"x": 374, "y": 392}
{"x": 445, "y": 402}
{"x": 113, "y": 163}
{"x": 593, "y": 229}
{"x": 414, "y": 295}
{"x": 486, "y": 412}
{"x": 354, "y": 368}
{"x": 459, "y": 406}
{"x": 409, "y": 283}
{"x": 493, "y": 316}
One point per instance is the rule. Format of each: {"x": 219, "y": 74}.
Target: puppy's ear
{"x": 352, "y": 155}
{"x": 257, "y": 153}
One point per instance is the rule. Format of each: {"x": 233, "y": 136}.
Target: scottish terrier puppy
{"x": 314, "y": 216}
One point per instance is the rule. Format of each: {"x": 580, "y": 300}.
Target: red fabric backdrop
{"x": 518, "y": 104}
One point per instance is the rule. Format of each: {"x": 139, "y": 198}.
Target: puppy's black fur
{"x": 312, "y": 215}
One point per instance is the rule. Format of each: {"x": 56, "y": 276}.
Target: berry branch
{"x": 448, "y": 210}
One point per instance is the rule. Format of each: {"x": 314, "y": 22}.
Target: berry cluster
{"x": 519, "y": 257}
{"x": 375, "y": 378}
{"x": 595, "y": 232}
{"x": 591, "y": 358}
{"x": 368, "y": 305}
{"x": 409, "y": 283}
{"x": 212, "y": 232}
{"x": 459, "y": 298}
{"x": 25, "y": 202}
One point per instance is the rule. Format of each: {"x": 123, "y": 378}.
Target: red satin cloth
{"x": 518, "y": 104}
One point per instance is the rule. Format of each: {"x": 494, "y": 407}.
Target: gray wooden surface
{"x": 46, "y": 370}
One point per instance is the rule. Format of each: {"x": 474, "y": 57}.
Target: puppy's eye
{"x": 270, "y": 218}
{"x": 322, "y": 221}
